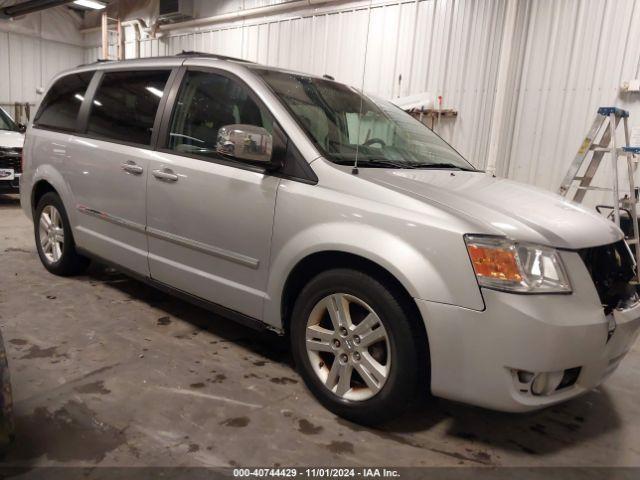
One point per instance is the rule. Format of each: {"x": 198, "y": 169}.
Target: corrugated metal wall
{"x": 567, "y": 58}
{"x": 28, "y": 62}
{"x": 34, "y": 48}
{"x": 578, "y": 52}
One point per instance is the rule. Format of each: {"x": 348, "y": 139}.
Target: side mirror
{"x": 245, "y": 142}
{"x": 22, "y": 127}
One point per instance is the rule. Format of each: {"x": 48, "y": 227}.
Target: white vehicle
{"x": 11, "y": 140}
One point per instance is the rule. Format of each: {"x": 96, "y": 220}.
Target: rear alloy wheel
{"x": 54, "y": 239}
{"x": 51, "y": 233}
{"x": 358, "y": 345}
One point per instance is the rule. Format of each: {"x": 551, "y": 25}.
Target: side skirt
{"x": 215, "y": 308}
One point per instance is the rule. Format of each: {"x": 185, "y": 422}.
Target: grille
{"x": 10, "y": 158}
{"x": 611, "y": 268}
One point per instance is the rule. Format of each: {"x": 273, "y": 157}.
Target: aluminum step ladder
{"x": 609, "y": 118}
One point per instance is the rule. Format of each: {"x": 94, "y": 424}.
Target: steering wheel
{"x": 371, "y": 141}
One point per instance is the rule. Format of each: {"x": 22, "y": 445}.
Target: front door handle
{"x": 131, "y": 167}
{"x": 166, "y": 174}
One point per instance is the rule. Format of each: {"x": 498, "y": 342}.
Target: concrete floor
{"x": 107, "y": 371}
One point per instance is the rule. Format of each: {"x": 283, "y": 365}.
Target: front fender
{"x": 420, "y": 275}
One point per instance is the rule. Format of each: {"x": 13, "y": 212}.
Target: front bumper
{"x": 474, "y": 355}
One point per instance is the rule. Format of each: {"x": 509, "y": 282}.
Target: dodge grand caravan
{"x": 294, "y": 203}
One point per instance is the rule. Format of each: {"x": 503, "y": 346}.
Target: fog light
{"x": 546, "y": 383}
{"x": 539, "y": 384}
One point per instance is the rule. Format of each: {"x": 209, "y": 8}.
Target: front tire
{"x": 54, "y": 239}
{"x": 357, "y": 346}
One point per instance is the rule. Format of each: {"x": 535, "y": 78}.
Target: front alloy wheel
{"x": 348, "y": 347}
{"x": 359, "y": 345}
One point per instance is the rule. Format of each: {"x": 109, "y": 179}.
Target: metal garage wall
{"x": 559, "y": 60}
{"x": 578, "y": 52}
{"x": 27, "y": 63}
{"x": 33, "y": 49}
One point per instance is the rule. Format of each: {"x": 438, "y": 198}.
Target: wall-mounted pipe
{"x": 242, "y": 14}
{"x": 104, "y": 21}
{"x": 227, "y": 17}
{"x": 138, "y": 29}
{"x": 31, "y": 6}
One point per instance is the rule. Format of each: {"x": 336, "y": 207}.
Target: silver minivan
{"x": 294, "y": 203}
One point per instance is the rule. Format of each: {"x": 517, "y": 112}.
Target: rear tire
{"x": 54, "y": 238}
{"x": 358, "y": 347}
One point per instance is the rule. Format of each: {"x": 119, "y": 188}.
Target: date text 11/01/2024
{"x": 316, "y": 472}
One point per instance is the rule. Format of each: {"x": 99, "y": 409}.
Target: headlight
{"x": 503, "y": 264}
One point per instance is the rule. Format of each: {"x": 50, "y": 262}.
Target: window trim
{"x": 75, "y": 129}
{"x": 85, "y": 113}
{"x": 171, "y": 103}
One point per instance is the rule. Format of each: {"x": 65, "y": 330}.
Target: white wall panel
{"x": 578, "y": 52}
{"x": 568, "y": 58}
{"x": 28, "y": 62}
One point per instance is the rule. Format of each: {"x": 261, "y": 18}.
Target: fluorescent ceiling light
{"x": 92, "y": 4}
{"x": 157, "y": 92}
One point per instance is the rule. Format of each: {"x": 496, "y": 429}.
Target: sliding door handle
{"x": 131, "y": 167}
{"x": 165, "y": 174}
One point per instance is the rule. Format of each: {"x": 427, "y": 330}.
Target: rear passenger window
{"x": 125, "y": 106}
{"x": 206, "y": 103}
{"x": 60, "y": 107}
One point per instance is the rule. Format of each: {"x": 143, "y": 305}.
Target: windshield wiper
{"x": 445, "y": 165}
{"x": 381, "y": 163}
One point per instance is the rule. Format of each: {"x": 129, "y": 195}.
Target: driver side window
{"x": 207, "y": 102}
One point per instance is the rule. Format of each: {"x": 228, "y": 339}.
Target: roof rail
{"x": 99, "y": 60}
{"x": 184, "y": 53}
{"x": 191, "y": 53}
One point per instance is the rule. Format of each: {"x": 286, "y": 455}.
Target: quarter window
{"x": 206, "y": 103}
{"x": 60, "y": 107}
{"x": 125, "y": 106}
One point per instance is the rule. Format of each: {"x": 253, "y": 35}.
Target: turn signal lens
{"x": 494, "y": 262}
{"x": 503, "y": 264}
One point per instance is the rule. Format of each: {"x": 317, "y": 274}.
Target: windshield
{"x": 344, "y": 124}
{"x": 6, "y": 123}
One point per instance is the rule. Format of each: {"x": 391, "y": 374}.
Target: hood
{"x": 503, "y": 207}
{"x": 11, "y": 139}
